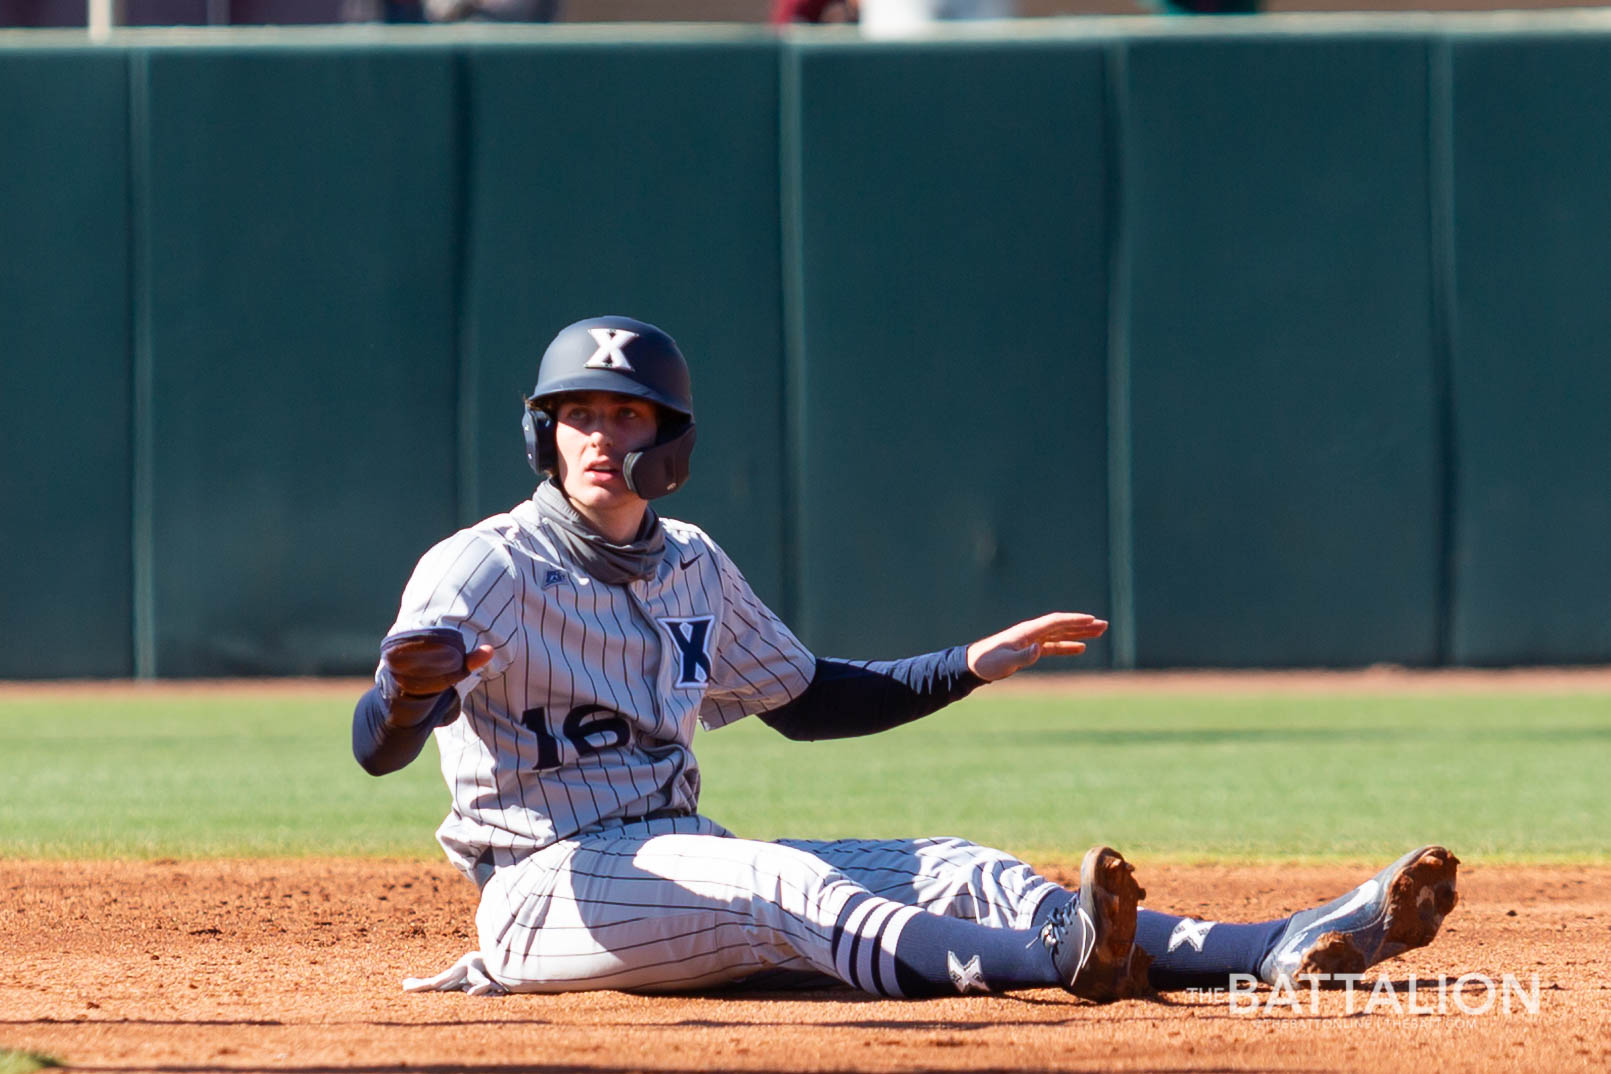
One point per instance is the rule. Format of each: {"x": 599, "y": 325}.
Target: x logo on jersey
{"x": 609, "y": 354}
{"x": 691, "y": 636}
{"x": 1192, "y": 932}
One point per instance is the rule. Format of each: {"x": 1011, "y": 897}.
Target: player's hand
{"x": 425, "y": 662}
{"x": 1017, "y": 647}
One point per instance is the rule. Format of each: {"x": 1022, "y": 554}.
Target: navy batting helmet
{"x": 628, "y": 357}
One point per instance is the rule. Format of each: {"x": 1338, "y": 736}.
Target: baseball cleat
{"x": 1398, "y": 909}
{"x": 1092, "y": 938}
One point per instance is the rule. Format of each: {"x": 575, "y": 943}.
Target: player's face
{"x": 594, "y": 432}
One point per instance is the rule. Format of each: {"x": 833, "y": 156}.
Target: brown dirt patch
{"x": 1383, "y": 678}
{"x": 295, "y": 966}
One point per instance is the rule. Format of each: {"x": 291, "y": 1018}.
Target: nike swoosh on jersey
{"x": 689, "y": 562}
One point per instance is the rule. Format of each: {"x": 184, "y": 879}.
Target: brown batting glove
{"x": 422, "y": 663}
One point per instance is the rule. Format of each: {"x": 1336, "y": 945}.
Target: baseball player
{"x": 561, "y": 655}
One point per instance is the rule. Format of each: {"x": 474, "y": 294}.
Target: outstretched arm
{"x": 848, "y": 698}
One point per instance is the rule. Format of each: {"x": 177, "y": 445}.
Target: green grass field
{"x": 13, "y": 1061}
{"x": 1498, "y": 776}
{"x": 16, "y": 1062}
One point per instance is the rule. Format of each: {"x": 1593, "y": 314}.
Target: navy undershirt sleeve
{"x": 848, "y": 698}
{"x": 381, "y": 746}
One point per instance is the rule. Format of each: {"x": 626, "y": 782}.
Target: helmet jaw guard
{"x": 625, "y": 357}
{"x": 663, "y": 467}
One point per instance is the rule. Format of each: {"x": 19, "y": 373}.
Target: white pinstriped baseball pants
{"x": 678, "y": 904}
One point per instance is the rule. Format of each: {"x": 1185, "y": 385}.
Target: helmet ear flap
{"x": 541, "y": 452}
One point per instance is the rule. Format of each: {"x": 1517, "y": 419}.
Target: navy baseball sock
{"x": 1187, "y": 953}
{"x": 933, "y": 955}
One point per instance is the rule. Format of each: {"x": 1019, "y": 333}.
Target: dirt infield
{"x": 295, "y": 967}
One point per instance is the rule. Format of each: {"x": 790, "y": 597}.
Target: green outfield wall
{"x": 947, "y": 217}
{"x": 65, "y": 371}
{"x": 1285, "y": 454}
{"x": 1279, "y": 341}
{"x": 1530, "y": 146}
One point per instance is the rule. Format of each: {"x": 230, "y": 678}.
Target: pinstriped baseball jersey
{"x": 586, "y": 711}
